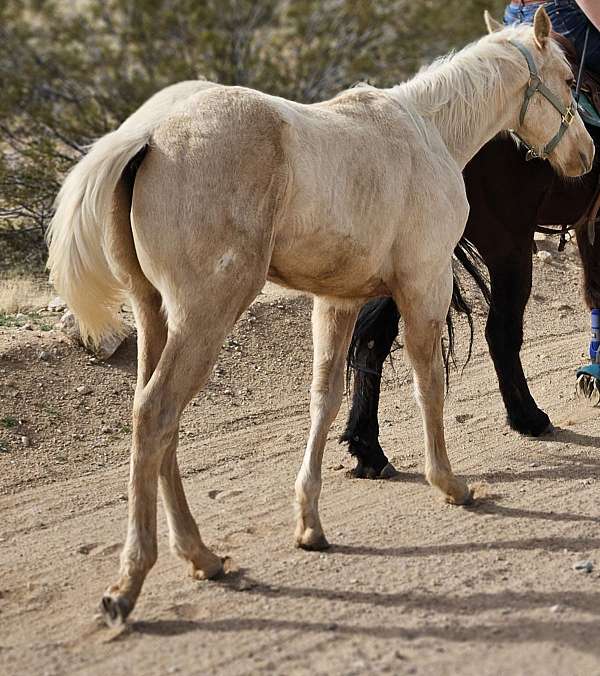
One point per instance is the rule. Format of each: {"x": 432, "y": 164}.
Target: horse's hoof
{"x": 312, "y": 541}
{"x": 214, "y": 569}
{"x": 535, "y": 424}
{"x": 549, "y": 431}
{"x": 463, "y": 498}
{"x": 388, "y": 472}
{"x": 362, "y": 471}
{"x": 114, "y": 609}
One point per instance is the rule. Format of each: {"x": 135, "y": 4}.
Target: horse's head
{"x": 547, "y": 121}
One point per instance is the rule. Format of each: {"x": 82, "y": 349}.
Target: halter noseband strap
{"x": 536, "y": 85}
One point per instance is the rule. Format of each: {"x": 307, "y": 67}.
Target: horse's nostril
{"x": 584, "y": 160}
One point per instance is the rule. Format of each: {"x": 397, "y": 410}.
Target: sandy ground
{"x": 410, "y": 584}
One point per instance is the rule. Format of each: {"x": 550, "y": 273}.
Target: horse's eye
{"x": 570, "y": 81}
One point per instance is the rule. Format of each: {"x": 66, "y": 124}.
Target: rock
{"x": 556, "y": 609}
{"x": 583, "y": 566}
{"x": 44, "y": 356}
{"x": 27, "y": 327}
{"x": 463, "y": 417}
{"x": 108, "y": 344}
{"x": 25, "y": 441}
{"x": 83, "y": 389}
{"x": 544, "y": 256}
{"x": 57, "y": 304}
{"x": 68, "y": 325}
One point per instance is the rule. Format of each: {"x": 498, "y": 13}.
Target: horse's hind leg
{"x": 374, "y": 334}
{"x": 184, "y": 535}
{"x": 180, "y": 372}
{"x": 423, "y": 326}
{"x": 332, "y": 327}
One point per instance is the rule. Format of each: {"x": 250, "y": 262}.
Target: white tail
{"x": 79, "y": 267}
{"x": 79, "y": 263}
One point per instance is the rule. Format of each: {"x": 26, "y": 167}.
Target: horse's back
{"x": 332, "y": 191}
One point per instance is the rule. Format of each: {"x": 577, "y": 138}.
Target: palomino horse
{"x": 504, "y": 215}
{"x": 189, "y": 207}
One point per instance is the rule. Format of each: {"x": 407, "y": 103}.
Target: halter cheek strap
{"x": 567, "y": 113}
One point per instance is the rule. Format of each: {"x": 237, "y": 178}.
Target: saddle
{"x": 589, "y": 107}
{"x": 588, "y": 376}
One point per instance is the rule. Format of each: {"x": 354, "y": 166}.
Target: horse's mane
{"x": 470, "y": 79}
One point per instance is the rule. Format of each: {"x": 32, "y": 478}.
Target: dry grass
{"x": 23, "y": 295}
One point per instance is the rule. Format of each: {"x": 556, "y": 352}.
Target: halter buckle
{"x": 569, "y": 116}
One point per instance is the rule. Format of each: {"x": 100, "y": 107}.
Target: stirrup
{"x": 588, "y": 383}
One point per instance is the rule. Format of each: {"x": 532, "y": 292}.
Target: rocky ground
{"x": 410, "y": 584}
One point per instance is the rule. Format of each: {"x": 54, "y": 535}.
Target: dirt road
{"x": 409, "y": 586}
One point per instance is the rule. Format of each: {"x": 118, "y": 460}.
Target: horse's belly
{"x": 334, "y": 267}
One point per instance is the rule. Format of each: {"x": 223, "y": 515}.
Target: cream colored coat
{"x": 354, "y": 197}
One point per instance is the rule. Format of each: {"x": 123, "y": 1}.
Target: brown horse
{"x": 509, "y": 198}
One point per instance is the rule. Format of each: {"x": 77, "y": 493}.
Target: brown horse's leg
{"x": 590, "y": 257}
{"x": 332, "y": 329}
{"x": 374, "y": 334}
{"x": 510, "y": 278}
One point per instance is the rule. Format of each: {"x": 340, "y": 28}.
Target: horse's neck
{"x": 467, "y": 107}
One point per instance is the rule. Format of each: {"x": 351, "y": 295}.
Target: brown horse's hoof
{"x": 549, "y": 431}
{"x": 388, "y": 472}
{"x": 364, "y": 472}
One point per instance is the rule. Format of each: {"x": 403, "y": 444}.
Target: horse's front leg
{"x": 424, "y": 319}
{"x": 374, "y": 334}
{"x": 332, "y": 327}
{"x": 510, "y": 279}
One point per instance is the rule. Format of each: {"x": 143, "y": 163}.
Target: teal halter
{"x": 536, "y": 85}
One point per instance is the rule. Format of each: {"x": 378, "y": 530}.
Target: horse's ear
{"x": 541, "y": 27}
{"x": 491, "y": 24}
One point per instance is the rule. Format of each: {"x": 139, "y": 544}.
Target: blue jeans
{"x": 517, "y": 13}
{"x": 567, "y": 19}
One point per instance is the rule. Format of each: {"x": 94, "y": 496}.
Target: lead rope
{"x": 591, "y": 226}
{"x": 582, "y": 64}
